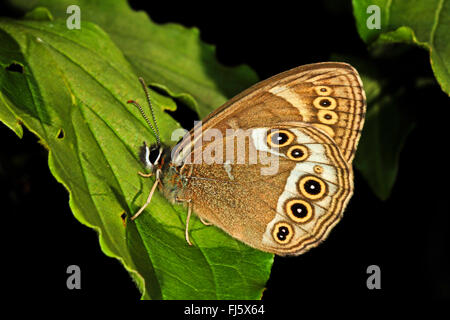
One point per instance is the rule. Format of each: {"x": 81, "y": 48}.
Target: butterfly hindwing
{"x": 251, "y": 202}
{"x": 315, "y": 194}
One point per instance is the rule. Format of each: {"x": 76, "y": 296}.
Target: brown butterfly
{"x": 272, "y": 167}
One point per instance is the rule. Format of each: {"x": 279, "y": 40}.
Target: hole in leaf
{"x": 60, "y": 134}
{"x": 123, "y": 216}
{"x": 15, "y": 67}
{"x": 184, "y": 115}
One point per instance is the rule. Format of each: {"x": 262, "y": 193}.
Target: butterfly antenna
{"x": 155, "y": 127}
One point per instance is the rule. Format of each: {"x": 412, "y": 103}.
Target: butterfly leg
{"x": 145, "y": 175}
{"x": 188, "y": 218}
{"x": 186, "y": 231}
{"x": 148, "y": 199}
{"x": 206, "y": 223}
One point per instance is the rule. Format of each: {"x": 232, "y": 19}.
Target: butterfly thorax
{"x": 173, "y": 182}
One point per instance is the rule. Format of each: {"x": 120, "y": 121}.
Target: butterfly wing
{"x": 327, "y": 95}
{"x": 287, "y": 210}
{"x": 322, "y": 106}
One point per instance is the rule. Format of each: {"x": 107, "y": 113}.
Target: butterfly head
{"x": 151, "y": 156}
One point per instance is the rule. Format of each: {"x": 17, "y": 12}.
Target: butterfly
{"x": 272, "y": 167}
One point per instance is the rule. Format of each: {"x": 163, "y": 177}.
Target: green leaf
{"x": 8, "y": 117}
{"x": 168, "y": 56}
{"x": 425, "y": 23}
{"x": 72, "y": 94}
{"x": 384, "y": 134}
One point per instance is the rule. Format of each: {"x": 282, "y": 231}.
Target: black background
{"x": 405, "y": 235}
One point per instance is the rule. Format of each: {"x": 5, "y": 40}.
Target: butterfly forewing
{"x": 326, "y": 95}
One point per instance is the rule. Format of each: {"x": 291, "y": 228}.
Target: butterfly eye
{"x": 297, "y": 153}
{"x": 150, "y": 156}
{"x": 299, "y": 211}
{"x": 154, "y": 155}
{"x": 279, "y": 138}
{"x": 282, "y": 232}
{"x": 312, "y": 187}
